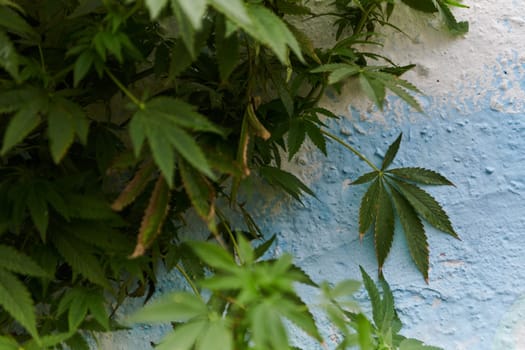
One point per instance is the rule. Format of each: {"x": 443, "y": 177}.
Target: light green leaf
{"x": 426, "y": 206}
{"x": 235, "y": 10}
{"x": 368, "y": 207}
{"x": 153, "y": 218}
{"x": 273, "y": 32}
{"x": 186, "y": 31}
{"x": 330, "y": 67}
{"x": 375, "y": 297}
{"x": 96, "y": 304}
{"x": 8, "y": 56}
{"x": 194, "y": 10}
{"x": 245, "y": 251}
{"x": 16, "y": 300}
{"x": 391, "y": 152}
{"x": 455, "y": 27}
{"x": 414, "y": 233}
{"x": 183, "y": 337}
{"x": 300, "y": 316}
{"x": 78, "y": 309}
{"x": 267, "y": 327}
{"x": 414, "y": 344}
{"x": 345, "y": 288}
{"x": 216, "y": 333}
{"x": 420, "y": 175}
{"x": 343, "y": 73}
{"x": 155, "y": 7}
{"x": 175, "y": 307}
{"x": 384, "y": 226}
{"x": 14, "y": 261}
{"x": 214, "y": 256}
{"x": 7, "y": 343}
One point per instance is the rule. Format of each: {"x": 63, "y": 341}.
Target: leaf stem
{"x": 351, "y": 149}
{"x": 189, "y": 280}
{"x": 42, "y": 61}
{"x": 122, "y": 88}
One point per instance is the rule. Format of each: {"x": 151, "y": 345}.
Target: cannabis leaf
{"x": 394, "y": 192}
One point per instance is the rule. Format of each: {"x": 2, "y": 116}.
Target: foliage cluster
{"x": 118, "y": 117}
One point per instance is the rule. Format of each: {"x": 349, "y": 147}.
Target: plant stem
{"x": 42, "y": 61}
{"x": 351, "y": 149}
{"x": 364, "y": 19}
{"x": 189, "y": 280}
{"x": 124, "y": 89}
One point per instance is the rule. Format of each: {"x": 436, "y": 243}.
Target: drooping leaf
{"x": 22, "y": 123}
{"x": 227, "y": 50}
{"x": 342, "y": 73}
{"x": 374, "y": 89}
{"x": 194, "y": 10}
{"x": 315, "y": 135}
{"x": 384, "y": 226}
{"x": 16, "y": 300}
{"x": 174, "y": 307}
{"x": 153, "y": 218}
{"x": 135, "y": 187}
{"x": 13, "y": 22}
{"x": 391, "y": 152}
{"x": 234, "y": 10}
{"x": 455, "y": 27}
{"x": 420, "y": 175}
{"x": 426, "y": 206}
{"x": 14, "y": 261}
{"x": 287, "y": 181}
{"x": 414, "y": 233}
{"x": 296, "y": 136}
{"x": 82, "y": 66}
{"x": 368, "y": 207}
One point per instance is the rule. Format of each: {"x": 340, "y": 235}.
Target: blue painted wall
{"x": 474, "y": 133}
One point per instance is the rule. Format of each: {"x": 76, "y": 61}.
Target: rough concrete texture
{"x": 474, "y": 133}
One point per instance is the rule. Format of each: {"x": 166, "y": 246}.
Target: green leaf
{"x": 287, "y": 181}
{"x": 82, "y": 66}
{"x": 267, "y": 327}
{"x": 368, "y": 207}
{"x": 227, "y": 50}
{"x": 78, "y": 255}
{"x": 414, "y": 344}
{"x": 414, "y": 233}
{"x": 272, "y": 32}
{"x": 12, "y": 21}
{"x": 426, "y": 206}
{"x": 366, "y": 178}
{"x": 174, "y": 307}
{"x": 316, "y": 136}
{"x": 296, "y": 136}
{"x": 260, "y": 250}
{"x": 216, "y": 333}
{"x": 330, "y": 67}
{"x": 39, "y": 212}
{"x": 7, "y": 343}
{"x": 375, "y": 297}
{"x": 199, "y": 190}
{"x": 65, "y": 120}
{"x": 214, "y": 256}
{"x": 245, "y": 251}
{"x": 300, "y": 316}
{"x": 96, "y": 303}
{"x": 384, "y": 226}
{"x": 343, "y": 73}
{"x": 194, "y": 10}
{"x": 455, "y": 27}
{"x": 16, "y": 300}
{"x": 21, "y": 124}
{"x": 235, "y": 10}
{"x": 9, "y": 59}
{"x": 77, "y": 311}
{"x": 185, "y": 28}
{"x": 183, "y": 337}
{"x": 373, "y": 88}
{"x": 153, "y": 218}
{"x": 345, "y": 288}
{"x": 420, "y": 175}
{"x": 155, "y": 7}
{"x": 14, "y": 261}
{"x": 422, "y": 5}
{"x": 391, "y": 152}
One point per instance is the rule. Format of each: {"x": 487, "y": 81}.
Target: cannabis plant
{"x": 119, "y": 117}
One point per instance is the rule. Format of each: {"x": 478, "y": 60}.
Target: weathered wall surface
{"x": 474, "y": 133}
